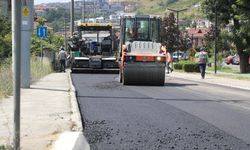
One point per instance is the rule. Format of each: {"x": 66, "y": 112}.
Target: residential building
{"x": 197, "y": 36}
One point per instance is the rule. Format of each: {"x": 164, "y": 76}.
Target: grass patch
{"x": 38, "y": 70}
{"x": 232, "y": 73}
{"x": 225, "y": 69}
{"x": 5, "y": 78}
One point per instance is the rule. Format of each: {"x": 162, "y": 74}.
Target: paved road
{"x": 181, "y": 115}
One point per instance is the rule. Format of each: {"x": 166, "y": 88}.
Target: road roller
{"x": 140, "y": 60}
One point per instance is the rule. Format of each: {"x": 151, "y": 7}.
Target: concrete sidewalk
{"x": 213, "y": 79}
{"x": 48, "y": 109}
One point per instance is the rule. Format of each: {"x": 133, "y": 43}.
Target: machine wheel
{"x": 126, "y": 77}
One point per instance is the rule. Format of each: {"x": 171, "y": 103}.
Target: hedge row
{"x": 187, "y": 66}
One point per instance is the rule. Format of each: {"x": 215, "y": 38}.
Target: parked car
{"x": 174, "y": 57}
{"x": 228, "y": 60}
{"x": 236, "y": 60}
{"x": 232, "y": 59}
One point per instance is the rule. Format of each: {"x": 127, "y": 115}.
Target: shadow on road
{"x": 46, "y": 89}
{"x": 180, "y": 84}
{"x": 202, "y": 100}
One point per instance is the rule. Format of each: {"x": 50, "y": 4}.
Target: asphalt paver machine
{"x": 92, "y": 48}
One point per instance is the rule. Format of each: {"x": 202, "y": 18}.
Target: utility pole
{"x": 41, "y": 45}
{"x": 215, "y": 42}
{"x": 65, "y": 32}
{"x": 178, "y": 31}
{"x": 26, "y": 33}
{"x": 81, "y": 11}
{"x": 84, "y": 11}
{"x": 72, "y": 17}
{"x": 16, "y": 59}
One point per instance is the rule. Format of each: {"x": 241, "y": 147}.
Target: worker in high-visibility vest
{"x": 164, "y": 51}
{"x": 168, "y": 61}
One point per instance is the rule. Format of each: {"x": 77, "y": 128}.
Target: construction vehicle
{"x": 141, "y": 62}
{"x": 92, "y": 48}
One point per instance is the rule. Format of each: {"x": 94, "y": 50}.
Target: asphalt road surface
{"x": 182, "y": 115}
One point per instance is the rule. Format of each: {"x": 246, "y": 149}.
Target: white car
{"x": 174, "y": 57}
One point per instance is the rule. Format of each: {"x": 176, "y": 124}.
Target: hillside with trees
{"x": 159, "y": 7}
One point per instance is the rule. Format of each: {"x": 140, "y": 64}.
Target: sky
{"x": 48, "y": 1}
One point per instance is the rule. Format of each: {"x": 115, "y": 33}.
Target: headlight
{"x": 158, "y": 58}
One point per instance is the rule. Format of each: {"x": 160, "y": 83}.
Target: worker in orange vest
{"x": 164, "y": 51}
{"x": 168, "y": 61}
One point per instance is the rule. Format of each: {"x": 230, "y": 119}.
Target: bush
{"x": 187, "y": 66}
{"x": 191, "y": 67}
{"x": 178, "y": 66}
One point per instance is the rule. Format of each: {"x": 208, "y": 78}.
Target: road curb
{"x": 76, "y": 115}
{"x": 74, "y": 139}
{"x": 71, "y": 141}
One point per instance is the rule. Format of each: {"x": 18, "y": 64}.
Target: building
{"x": 201, "y": 23}
{"x": 5, "y": 7}
{"x": 197, "y": 36}
{"x": 40, "y": 10}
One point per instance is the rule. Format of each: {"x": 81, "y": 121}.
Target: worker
{"x": 62, "y": 56}
{"x": 202, "y": 61}
{"x": 168, "y": 61}
{"x": 164, "y": 51}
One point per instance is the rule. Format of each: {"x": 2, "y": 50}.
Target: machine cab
{"x": 140, "y": 28}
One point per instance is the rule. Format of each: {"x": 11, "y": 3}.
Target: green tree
{"x": 5, "y": 37}
{"x": 41, "y": 21}
{"x": 237, "y": 11}
{"x": 52, "y": 43}
{"x": 169, "y": 32}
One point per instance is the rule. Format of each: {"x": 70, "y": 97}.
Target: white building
{"x": 201, "y": 23}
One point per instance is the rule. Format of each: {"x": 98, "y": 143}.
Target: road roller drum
{"x": 144, "y": 74}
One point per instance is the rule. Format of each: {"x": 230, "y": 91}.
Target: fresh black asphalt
{"x": 148, "y": 118}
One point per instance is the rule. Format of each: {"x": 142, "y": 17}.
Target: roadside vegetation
{"x": 38, "y": 70}
{"x": 5, "y": 78}
{"x": 39, "y": 67}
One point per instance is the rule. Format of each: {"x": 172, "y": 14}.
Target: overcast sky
{"x": 49, "y": 1}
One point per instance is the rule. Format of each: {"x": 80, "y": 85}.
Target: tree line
{"x": 52, "y": 43}
{"x": 233, "y": 15}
